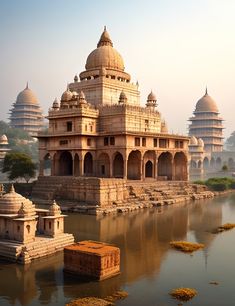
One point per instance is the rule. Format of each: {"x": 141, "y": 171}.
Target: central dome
{"x": 206, "y": 104}
{"x": 105, "y": 55}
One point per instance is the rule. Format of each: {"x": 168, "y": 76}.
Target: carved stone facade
{"x": 99, "y": 129}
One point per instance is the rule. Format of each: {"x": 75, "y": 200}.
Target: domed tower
{"x": 104, "y": 71}
{"x": 207, "y": 124}
{"x": 26, "y": 113}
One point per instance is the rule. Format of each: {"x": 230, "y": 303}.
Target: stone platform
{"x": 42, "y": 246}
{"x": 92, "y": 259}
{"x": 102, "y": 196}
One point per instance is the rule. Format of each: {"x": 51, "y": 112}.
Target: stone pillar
{"x": 81, "y": 166}
{"x": 173, "y": 169}
{"x": 142, "y": 169}
{"x": 111, "y": 169}
{"x": 156, "y": 168}
{"x": 125, "y": 169}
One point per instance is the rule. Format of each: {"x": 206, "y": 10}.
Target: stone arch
{"x": 47, "y": 165}
{"x": 118, "y": 165}
{"x": 134, "y": 165}
{"x": 165, "y": 165}
{"x": 149, "y": 160}
{"x": 218, "y": 163}
{"x": 65, "y": 163}
{"x": 206, "y": 163}
{"x": 193, "y": 164}
{"x": 180, "y": 166}
{"x": 88, "y": 164}
{"x": 103, "y": 164}
{"x": 212, "y": 162}
{"x": 230, "y": 163}
{"x": 76, "y": 165}
{"x": 149, "y": 169}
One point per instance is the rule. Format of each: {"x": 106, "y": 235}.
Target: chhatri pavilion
{"x": 99, "y": 129}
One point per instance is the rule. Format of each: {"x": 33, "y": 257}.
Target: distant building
{"x": 26, "y": 113}
{"x": 206, "y": 154}
{"x": 207, "y": 124}
{"x": 27, "y": 233}
{"x": 4, "y": 146}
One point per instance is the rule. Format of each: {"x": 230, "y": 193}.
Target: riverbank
{"x": 140, "y": 195}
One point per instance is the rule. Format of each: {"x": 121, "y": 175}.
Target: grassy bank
{"x": 218, "y": 183}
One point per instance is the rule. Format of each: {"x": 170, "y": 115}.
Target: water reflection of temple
{"x": 21, "y": 284}
{"x": 144, "y": 241}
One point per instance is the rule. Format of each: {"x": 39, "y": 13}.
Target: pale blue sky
{"x": 175, "y": 48}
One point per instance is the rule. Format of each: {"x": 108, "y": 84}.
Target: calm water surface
{"x": 149, "y": 268}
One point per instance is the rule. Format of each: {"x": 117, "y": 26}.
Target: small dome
{"x": 193, "y": 141}
{"x": 151, "y": 97}
{"x": 56, "y": 103}
{"x": 206, "y": 104}
{"x": 3, "y": 139}
{"x": 81, "y": 98}
{"x": 11, "y": 202}
{"x": 105, "y": 55}
{"x": 122, "y": 97}
{"x": 26, "y": 97}
{"x": 200, "y": 142}
{"x": 67, "y": 95}
{"x": 54, "y": 209}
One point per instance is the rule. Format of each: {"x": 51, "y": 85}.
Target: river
{"x": 149, "y": 267}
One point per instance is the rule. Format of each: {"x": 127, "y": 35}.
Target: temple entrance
{"x": 165, "y": 166}
{"x": 149, "y": 169}
{"x": 88, "y": 164}
{"x": 134, "y": 166}
{"x": 65, "y": 164}
{"x": 76, "y": 165}
{"x": 180, "y": 167}
{"x": 103, "y": 165}
{"x": 118, "y": 166}
{"x": 47, "y": 164}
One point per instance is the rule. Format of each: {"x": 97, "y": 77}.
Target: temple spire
{"x": 206, "y": 93}
{"x": 27, "y": 85}
{"x": 105, "y": 39}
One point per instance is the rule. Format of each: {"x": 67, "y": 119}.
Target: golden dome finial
{"x": 206, "y": 93}
{"x": 105, "y": 39}
{"x": 12, "y": 189}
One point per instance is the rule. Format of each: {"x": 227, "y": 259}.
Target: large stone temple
{"x": 100, "y": 134}
{"x": 26, "y": 113}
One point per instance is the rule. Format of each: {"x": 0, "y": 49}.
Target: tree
{"x": 230, "y": 142}
{"x": 19, "y": 165}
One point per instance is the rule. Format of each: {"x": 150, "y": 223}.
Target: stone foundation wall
{"x": 92, "y": 191}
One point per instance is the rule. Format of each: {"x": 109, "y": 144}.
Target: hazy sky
{"x": 175, "y": 48}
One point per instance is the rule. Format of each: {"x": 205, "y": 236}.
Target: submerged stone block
{"x": 92, "y": 259}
